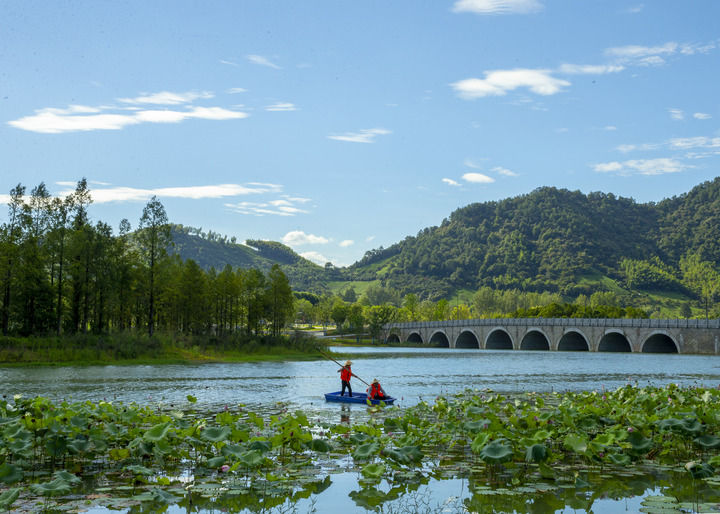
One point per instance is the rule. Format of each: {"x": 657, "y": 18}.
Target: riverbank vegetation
{"x": 129, "y": 348}
{"x": 522, "y": 453}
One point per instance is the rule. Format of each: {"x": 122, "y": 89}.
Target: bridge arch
{"x": 614, "y": 341}
{"x": 467, "y": 339}
{"x": 573, "y": 341}
{"x": 439, "y": 338}
{"x": 415, "y": 337}
{"x": 393, "y": 338}
{"x": 535, "y": 339}
{"x": 498, "y": 339}
{"x": 660, "y": 342}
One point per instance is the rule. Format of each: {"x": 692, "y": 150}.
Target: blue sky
{"x": 341, "y": 126}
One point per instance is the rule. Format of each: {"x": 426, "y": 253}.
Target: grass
{"x": 126, "y": 349}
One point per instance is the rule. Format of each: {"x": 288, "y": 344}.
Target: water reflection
{"x": 411, "y": 374}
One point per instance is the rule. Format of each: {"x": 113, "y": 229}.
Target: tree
{"x": 410, "y": 302}
{"x": 280, "y": 299}
{"x": 154, "y": 238}
{"x": 702, "y": 278}
{"x": 379, "y": 316}
{"x": 12, "y": 232}
{"x": 339, "y": 313}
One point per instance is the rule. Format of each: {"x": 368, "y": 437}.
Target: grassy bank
{"x": 126, "y": 348}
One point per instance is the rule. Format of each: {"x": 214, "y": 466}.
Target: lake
{"x": 411, "y": 374}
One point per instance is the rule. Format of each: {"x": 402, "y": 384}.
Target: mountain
{"x": 548, "y": 240}
{"x": 211, "y": 250}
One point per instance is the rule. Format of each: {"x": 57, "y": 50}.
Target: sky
{"x": 338, "y": 127}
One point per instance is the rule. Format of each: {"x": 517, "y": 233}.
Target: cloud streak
{"x": 299, "y": 238}
{"x": 363, "y": 136}
{"x": 133, "y": 194}
{"x": 262, "y": 61}
{"x": 493, "y": 7}
{"x": 658, "y": 166}
{"x": 82, "y": 118}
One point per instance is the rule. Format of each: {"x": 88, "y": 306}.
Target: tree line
{"x": 60, "y": 273}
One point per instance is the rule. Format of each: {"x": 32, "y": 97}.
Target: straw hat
{"x": 347, "y": 363}
{"x": 376, "y": 381}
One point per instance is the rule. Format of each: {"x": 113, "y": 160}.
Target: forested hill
{"x": 210, "y": 250}
{"x": 548, "y": 240}
{"x": 553, "y": 240}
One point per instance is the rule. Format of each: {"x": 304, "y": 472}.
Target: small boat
{"x": 356, "y": 398}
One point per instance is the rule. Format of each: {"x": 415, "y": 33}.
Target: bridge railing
{"x": 567, "y": 322}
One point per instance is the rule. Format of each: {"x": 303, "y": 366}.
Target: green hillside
{"x": 213, "y": 251}
{"x": 548, "y": 240}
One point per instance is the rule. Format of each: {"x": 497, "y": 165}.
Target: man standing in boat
{"x": 345, "y": 375}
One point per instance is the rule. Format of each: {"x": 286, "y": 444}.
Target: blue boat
{"x": 356, "y": 398}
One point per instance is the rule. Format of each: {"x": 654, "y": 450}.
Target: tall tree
{"x": 12, "y": 232}
{"x": 154, "y": 238}
{"x": 280, "y": 299}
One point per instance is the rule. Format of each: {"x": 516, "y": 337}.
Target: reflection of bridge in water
{"x": 564, "y": 334}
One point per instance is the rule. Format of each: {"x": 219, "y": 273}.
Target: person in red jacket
{"x": 375, "y": 391}
{"x": 345, "y": 375}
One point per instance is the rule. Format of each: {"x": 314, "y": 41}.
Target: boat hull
{"x": 356, "y": 398}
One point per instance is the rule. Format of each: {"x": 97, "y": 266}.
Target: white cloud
{"x": 229, "y": 63}
{"x": 676, "y": 114}
{"x": 590, "y": 69}
{"x": 346, "y": 243}
{"x": 655, "y": 55}
{"x": 625, "y": 148}
{"x": 686, "y": 143}
{"x": 504, "y": 171}
{"x": 298, "y": 237}
{"x": 499, "y": 82}
{"x": 478, "y": 178}
{"x": 167, "y": 98}
{"x": 77, "y": 119}
{"x": 497, "y": 6}
{"x": 364, "y": 136}
{"x": 369, "y": 239}
{"x": 470, "y": 164}
{"x": 263, "y": 208}
{"x": 609, "y": 127}
{"x": 450, "y": 182}
{"x": 262, "y": 61}
{"x": 315, "y": 257}
{"x": 130, "y": 194}
{"x": 643, "y": 166}
{"x": 635, "y": 9}
{"x": 235, "y": 90}
{"x": 701, "y": 116}
{"x": 281, "y": 106}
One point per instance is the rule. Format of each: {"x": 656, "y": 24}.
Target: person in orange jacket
{"x": 375, "y": 391}
{"x": 345, "y": 375}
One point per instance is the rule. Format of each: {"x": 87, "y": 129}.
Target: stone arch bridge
{"x": 564, "y": 334}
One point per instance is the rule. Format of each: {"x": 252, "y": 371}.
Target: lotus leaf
{"x": 700, "y": 469}
{"x": 476, "y": 426}
{"x": 359, "y": 438}
{"x": 368, "y": 498}
{"x": 78, "y": 445}
{"x": 157, "y": 432}
{"x": 10, "y": 473}
{"x": 67, "y": 477}
{"x": 139, "y": 447}
{"x": 536, "y": 453}
{"x": 690, "y": 426}
{"x": 191, "y": 398}
{"x": 157, "y": 495}
{"x": 251, "y": 459}
{"x": 405, "y": 455}
{"x": 707, "y": 441}
{"x": 261, "y": 446}
{"x": 365, "y": 451}
{"x": 320, "y": 445}
{"x": 576, "y": 443}
{"x": 21, "y": 447}
{"x": 619, "y": 459}
{"x": 496, "y": 452}
{"x": 56, "y": 445}
{"x": 479, "y": 442}
{"x": 580, "y": 483}
{"x": 546, "y": 471}
{"x": 374, "y": 470}
{"x": 216, "y": 434}
{"x": 216, "y": 462}
{"x": 119, "y": 453}
{"x": 234, "y": 450}
{"x": 56, "y": 487}
{"x": 639, "y": 442}
{"x": 136, "y": 469}
{"x": 8, "y": 497}
{"x": 668, "y": 424}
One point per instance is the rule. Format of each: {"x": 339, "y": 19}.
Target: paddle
{"x": 336, "y": 362}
